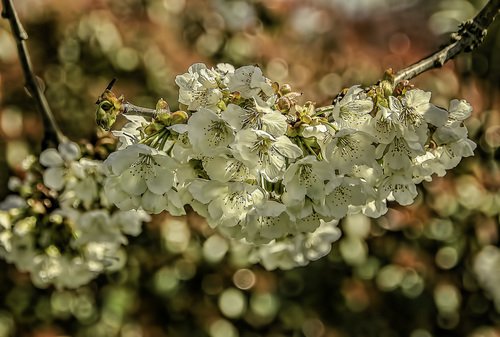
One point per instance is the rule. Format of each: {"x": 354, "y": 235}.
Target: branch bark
{"x": 52, "y": 133}
{"x": 470, "y": 35}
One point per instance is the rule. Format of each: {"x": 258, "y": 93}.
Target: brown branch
{"x": 52, "y": 133}
{"x": 469, "y": 36}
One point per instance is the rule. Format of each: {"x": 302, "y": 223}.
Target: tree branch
{"x": 52, "y": 133}
{"x": 470, "y": 35}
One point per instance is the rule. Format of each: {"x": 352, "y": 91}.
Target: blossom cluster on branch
{"x": 59, "y": 226}
{"x": 265, "y": 170}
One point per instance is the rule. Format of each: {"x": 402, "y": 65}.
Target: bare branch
{"x": 52, "y": 133}
{"x": 469, "y": 36}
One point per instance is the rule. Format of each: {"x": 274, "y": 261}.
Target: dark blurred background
{"x": 431, "y": 269}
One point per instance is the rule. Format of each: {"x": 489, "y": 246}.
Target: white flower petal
{"x": 69, "y": 151}
{"x": 53, "y": 177}
{"x": 132, "y": 182}
{"x": 51, "y": 158}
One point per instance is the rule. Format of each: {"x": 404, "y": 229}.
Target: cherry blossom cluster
{"x": 261, "y": 168}
{"x": 59, "y": 226}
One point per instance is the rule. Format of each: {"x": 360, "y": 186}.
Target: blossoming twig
{"x": 470, "y": 35}
{"x": 52, "y": 133}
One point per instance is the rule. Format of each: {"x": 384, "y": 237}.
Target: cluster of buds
{"x": 263, "y": 169}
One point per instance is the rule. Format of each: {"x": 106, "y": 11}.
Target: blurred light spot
{"x": 353, "y": 250}
{"x": 447, "y": 20}
{"x": 357, "y": 225}
{"x": 214, "y": 248}
{"x": 69, "y": 51}
{"x": 448, "y": 320}
{"x": 240, "y": 48}
{"x": 492, "y": 136}
{"x": 244, "y": 279}
{"x": 470, "y": 192}
{"x": 232, "y": 303}
{"x": 17, "y": 151}
{"x": 330, "y": 84}
{"x": 8, "y": 51}
{"x": 208, "y": 44}
{"x": 485, "y": 331}
{"x": 83, "y": 307}
{"x": 265, "y": 305}
{"x": 165, "y": 280}
{"x": 389, "y": 277}
{"x": 212, "y": 284}
{"x": 369, "y": 269}
{"x": 447, "y": 257}
{"x": 61, "y": 303}
{"x": 399, "y": 43}
{"x": 441, "y": 229}
{"x": 184, "y": 269}
{"x": 131, "y": 330}
{"x": 176, "y": 235}
{"x": 412, "y": 284}
{"x": 447, "y": 298}
{"x": 174, "y": 6}
{"x": 277, "y": 69}
{"x": 292, "y": 316}
{"x": 313, "y": 328}
{"x": 127, "y": 59}
{"x": 222, "y": 328}
{"x": 420, "y": 333}
{"x": 11, "y": 121}
{"x": 238, "y": 15}
{"x": 355, "y": 296}
{"x": 308, "y": 21}
{"x": 55, "y": 75}
{"x": 444, "y": 203}
{"x": 106, "y": 33}
{"x": 6, "y": 324}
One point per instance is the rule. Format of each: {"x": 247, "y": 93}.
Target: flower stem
{"x": 52, "y": 133}
{"x": 470, "y": 35}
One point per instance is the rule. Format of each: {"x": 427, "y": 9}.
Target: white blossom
{"x": 249, "y": 82}
{"x": 199, "y": 87}
{"x": 208, "y": 133}
{"x": 266, "y": 154}
{"x": 260, "y": 116}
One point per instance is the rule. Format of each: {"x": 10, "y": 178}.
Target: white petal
{"x": 161, "y": 182}
{"x": 53, "y": 177}
{"x": 50, "y": 158}
{"x": 436, "y": 116}
{"x": 69, "y": 151}
{"x": 132, "y": 182}
{"x": 153, "y": 203}
{"x": 205, "y": 190}
{"x": 286, "y": 148}
{"x": 460, "y": 110}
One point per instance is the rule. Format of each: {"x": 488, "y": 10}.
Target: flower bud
{"x": 162, "y": 106}
{"x": 164, "y": 118}
{"x": 179, "y": 117}
{"x": 285, "y": 89}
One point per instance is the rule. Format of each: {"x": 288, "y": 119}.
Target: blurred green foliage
{"x": 410, "y": 273}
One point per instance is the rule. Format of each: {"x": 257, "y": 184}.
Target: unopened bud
{"x": 162, "y": 106}
{"x": 285, "y": 89}
{"x": 164, "y": 118}
{"x": 179, "y": 117}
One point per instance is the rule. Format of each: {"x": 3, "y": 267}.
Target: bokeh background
{"x": 431, "y": 269}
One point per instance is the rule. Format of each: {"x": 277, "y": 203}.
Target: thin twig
{"x": 52, "y": 133}
{"x": 131, "y": 109}
{"x": 469, "y": 36}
